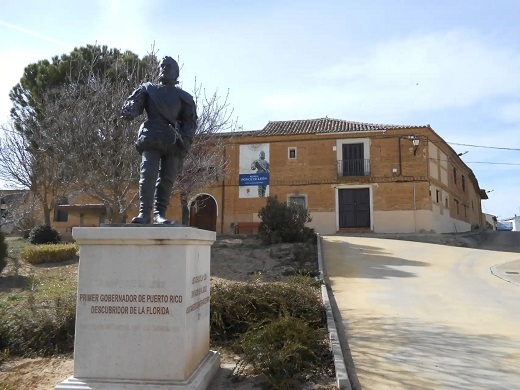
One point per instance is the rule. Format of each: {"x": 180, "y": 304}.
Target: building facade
{"x": 351, "y": 176}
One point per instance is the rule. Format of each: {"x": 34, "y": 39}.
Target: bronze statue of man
{"x": 163, "y": 140}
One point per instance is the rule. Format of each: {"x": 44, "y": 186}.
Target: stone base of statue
{"x": 142, "y": 317}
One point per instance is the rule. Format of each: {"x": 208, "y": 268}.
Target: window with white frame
{"x": 297, "y": 199}
{"x": 291, "y": 153}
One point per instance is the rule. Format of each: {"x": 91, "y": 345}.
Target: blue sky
{"x": 452, "y": 64}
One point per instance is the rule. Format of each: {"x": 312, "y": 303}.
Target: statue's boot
{"x": 142, "y": 218}
{"x": 162, "y": 200}
{"x": 145, "y": 207}
{"x": 146, "y": 191}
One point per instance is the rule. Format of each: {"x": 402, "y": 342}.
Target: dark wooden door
{"x": 353, "y": 160}
{"x": 203, "y": 213}
{"x": 354, "y": 208}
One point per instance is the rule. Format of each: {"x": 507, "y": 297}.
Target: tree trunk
{"x": 118, "y": 217}
{"x": 114, "y": 215}
{"x": 47, "y": 215}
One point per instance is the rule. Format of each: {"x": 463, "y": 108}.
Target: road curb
{"x": 342, "y": 379}
{"x": 504, "y": 271}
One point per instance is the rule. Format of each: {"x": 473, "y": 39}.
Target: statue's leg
{"x": 171, "y": 165}
{"x": 149, "y": 169}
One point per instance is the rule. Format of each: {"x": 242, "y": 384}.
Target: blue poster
{"x": 253, "y": 179}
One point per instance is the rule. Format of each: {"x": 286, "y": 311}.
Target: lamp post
{"x": 415, "y": 142}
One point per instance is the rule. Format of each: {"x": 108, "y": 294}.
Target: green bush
{"x": 55, "y": 253}
{"x": 43, "y": 329}
{"x": 44, "y": 234}
{"x": 282, "y": 222}
{"x": 3, "y": 252}
{"x": 286, "y": 352}
{"x": 237, "y": 307}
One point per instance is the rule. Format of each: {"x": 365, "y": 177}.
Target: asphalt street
{"x": 426, "y": 316}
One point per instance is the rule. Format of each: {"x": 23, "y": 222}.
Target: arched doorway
{"x": 203, "y": 213}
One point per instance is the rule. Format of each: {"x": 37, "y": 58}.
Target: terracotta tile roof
{"x": 317, "y": 126}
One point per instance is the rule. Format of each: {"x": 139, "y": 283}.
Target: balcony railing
{"x": 353, "y": 168}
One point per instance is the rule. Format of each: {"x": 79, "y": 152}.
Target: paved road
{"x": 426, "y": 316}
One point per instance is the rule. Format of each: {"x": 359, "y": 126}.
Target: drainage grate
{"x": 513, "y": 272}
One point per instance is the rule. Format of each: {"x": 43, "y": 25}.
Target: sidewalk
{"x": 425, "y": 316}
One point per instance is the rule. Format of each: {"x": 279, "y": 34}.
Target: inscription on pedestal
{"x": 118, "y": 303}
{"x": 197, "y": 292}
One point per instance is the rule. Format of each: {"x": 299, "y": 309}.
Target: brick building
{"x": 351, "y": 176}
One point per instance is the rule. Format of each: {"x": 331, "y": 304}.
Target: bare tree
{"x": 84, "y": 128}
{"x": 66, "y": 112}
{"x": 98, "y": 147}
{"x": 77, "y": 127}
{"x": 19, "y": 211}
{"x": 24, "y": 165}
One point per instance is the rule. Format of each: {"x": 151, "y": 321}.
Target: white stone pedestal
{"x": 142, "y": 317}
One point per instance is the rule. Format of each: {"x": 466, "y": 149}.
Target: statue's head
{"x": 168, "y": 71}
{"x": 262, "y": 154}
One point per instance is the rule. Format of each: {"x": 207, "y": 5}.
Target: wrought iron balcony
{"x": 354, "y": 167}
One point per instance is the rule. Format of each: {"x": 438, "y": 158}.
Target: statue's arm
{"x": 187, "y": 119}
{"x": 134, "y": 104}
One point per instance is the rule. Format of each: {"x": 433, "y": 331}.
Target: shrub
{"x": 305, "y": 280}
{"x": 237, "y": 307}
{"x": 44, "y": 234}
{"x": 282, "y": 222}
{"x": 286, "y": 352}
{"x": 43, "y": 329}
{"x": 38, "y": 254}
{"x": 3, "y": 252}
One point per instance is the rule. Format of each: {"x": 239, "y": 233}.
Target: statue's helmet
{"x": 262, "y": 154}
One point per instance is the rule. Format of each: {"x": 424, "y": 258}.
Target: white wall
{"x": 418, "y": 221}
{"x": 323, "y": 222}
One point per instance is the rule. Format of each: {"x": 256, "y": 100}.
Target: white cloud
{"x": 124, "y": 25}
{"x": 510, "y": 113}
{"x": 421, "y": 73}
{"x": 13, "y": 64}
{"x": 34, "y": 34}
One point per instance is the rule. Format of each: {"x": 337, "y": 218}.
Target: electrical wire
{"x": 475, "y": 162}
{"x": 482, "y": 146}
{"x": 488, "y": 162}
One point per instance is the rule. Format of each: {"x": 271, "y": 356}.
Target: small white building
{"x": 515, "y": 221}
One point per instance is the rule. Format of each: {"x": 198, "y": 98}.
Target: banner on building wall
{"x": 253, "y": 171}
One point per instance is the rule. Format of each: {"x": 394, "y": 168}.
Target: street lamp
{"x": 415, "y": 142}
